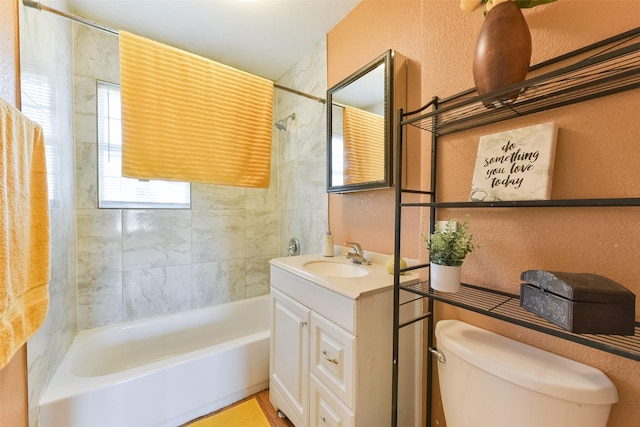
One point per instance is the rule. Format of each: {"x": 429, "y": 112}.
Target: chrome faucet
{"x": 356, "y": 257}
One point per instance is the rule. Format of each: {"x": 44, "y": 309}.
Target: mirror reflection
{"x": 359, "y": 128}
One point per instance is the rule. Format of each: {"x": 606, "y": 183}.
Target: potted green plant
{"x": 448, "y": 246}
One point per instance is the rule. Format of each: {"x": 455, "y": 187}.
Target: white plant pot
{"x": 445, "y": 278}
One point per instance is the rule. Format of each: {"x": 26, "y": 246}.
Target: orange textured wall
{"x": 362, "y": 36}
{"x": 9, "y": 52}
{"x": 597, "y": 156}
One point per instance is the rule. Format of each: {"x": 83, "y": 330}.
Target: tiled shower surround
{"x": 114, "y": 265}
{"x": 138, "y": 263}
{"x": 301, "y": 154}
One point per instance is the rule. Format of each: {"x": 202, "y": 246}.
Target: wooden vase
{"x": 503, "y": 53}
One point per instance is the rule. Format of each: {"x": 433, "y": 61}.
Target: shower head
{"x": 282, "y": 124}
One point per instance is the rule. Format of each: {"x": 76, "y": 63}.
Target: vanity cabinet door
{"x": 289, "y": 359}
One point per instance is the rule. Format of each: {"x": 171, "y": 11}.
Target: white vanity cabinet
{"x": 330, "y": 358}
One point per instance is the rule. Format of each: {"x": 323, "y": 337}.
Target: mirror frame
{"x": 386, "y": 58}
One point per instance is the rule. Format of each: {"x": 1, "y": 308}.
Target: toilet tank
{"x": 488, "y": 380}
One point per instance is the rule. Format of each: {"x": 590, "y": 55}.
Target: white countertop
{"x": 376, "y": 280}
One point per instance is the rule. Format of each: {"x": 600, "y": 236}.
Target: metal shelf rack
{"x": 604, "y": 68}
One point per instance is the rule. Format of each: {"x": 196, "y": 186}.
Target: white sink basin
{"x": 335, "y": 269}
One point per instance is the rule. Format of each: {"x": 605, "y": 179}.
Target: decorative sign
{"x": 515, "y": 165}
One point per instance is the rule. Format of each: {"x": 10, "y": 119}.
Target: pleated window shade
{"x": 187, "y": 118}
{"x": 363, "y": 146}
{"x": 114, "y": 190}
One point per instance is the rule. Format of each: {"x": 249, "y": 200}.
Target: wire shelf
{"x": 604, "y": 68}
{"x": 505, "y": 306}
{"x": 583, "y": 203}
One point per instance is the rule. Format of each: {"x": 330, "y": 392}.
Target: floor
{"x": 269, "y": 411}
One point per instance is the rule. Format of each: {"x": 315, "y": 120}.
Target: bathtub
{"x": 162, "y": 371}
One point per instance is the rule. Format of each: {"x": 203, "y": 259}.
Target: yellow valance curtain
{"x": 187, "y": 118}
{"x": 363, "y": 145}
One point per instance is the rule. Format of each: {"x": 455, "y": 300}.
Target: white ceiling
{"x": 263, "y": 37}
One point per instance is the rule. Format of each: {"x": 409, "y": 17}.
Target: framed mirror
{"x": 360, "y": 127}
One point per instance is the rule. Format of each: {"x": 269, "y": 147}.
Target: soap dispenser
{"x": 328, "y": 244}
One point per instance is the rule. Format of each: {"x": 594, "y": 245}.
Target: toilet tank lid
{"x": 524, "y": 365}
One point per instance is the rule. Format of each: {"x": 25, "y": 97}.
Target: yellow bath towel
{"x": 187, "y": 118}
{"x": 24, "y": 234}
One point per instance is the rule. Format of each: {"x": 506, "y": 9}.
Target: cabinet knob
{"x": 303, "y": 324}
{"x": 322, "y": 419}
{"x": 329, "y": 359}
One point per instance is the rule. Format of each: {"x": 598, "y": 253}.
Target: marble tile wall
{"x": 46, "y": 85}
{"x": 303, "y": 198}
{"x": 138, "y": 263}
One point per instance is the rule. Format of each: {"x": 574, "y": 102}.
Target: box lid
{"x": 584, "y": 287}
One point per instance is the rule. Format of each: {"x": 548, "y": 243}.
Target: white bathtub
{"x": 162, "y": 371}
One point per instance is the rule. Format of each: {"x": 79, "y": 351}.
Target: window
{"x": 116, "y": 191}
{"x": 37, "y": 104}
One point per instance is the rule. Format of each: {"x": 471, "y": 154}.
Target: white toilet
{"x": 488, "y": 380}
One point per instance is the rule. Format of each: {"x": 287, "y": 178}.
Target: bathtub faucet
{"x": 356, "y": 257}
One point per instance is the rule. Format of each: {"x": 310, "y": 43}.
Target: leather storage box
{"x": 579, "y": 302}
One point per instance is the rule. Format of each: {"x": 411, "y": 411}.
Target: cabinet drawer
{"x": 326, "y": 409}
{"x": 333, "y": 358}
